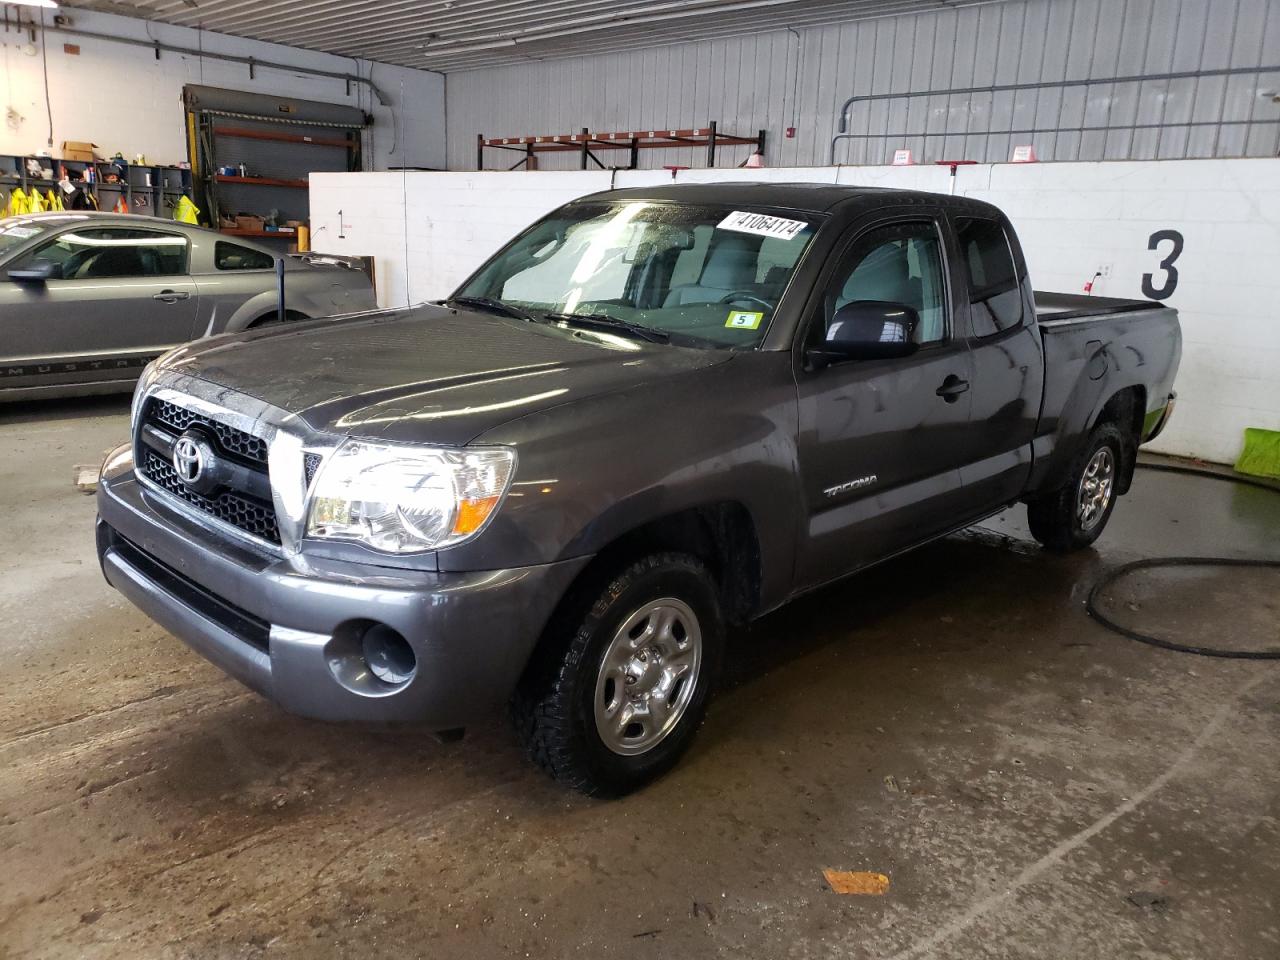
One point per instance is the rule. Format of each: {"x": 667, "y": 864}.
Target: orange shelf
{"x": 290, "y": 234}
{"x": 264, "y": 181}
{"x": 247, "y": 134}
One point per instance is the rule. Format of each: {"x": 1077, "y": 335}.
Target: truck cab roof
{"x": 811, "y": 198}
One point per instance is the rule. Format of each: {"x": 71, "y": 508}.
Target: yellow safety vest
{"x": 186, "y": 211}
{"x": 18, "y": 203}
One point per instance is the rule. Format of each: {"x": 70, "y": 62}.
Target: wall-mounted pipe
{"x": 844, "y": 134}
{"x": 253, "y": 63}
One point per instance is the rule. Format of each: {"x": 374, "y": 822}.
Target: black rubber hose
{"x": 1273, "y": 486}
{"x": 1091, "y": 604}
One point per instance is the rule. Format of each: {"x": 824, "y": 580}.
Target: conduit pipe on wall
{"x": 251, "y": 62}
{"x": 844, "y": 134}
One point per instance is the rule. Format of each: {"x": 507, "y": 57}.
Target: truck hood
{"x": 427, "y": 374}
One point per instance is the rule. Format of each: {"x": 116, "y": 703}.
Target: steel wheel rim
{"x": 647, "y": 676}
{"x": 1096, "y": 484}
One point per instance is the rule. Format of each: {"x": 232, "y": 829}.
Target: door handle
{"x": 171, "y": 296}
{"x": 951, "y": 388}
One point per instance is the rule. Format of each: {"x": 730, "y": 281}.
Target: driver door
{"x": 118, "y": 297}
{"x": 881, "y": 441}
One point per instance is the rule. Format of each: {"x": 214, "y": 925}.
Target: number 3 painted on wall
{"x": 1167, "y": 265}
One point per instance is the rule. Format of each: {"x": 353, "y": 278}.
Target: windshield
{"x": 704, "y": 275}
{"x": 13, "y": 233}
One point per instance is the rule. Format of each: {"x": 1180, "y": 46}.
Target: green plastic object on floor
{"x": 1261, "y": 454}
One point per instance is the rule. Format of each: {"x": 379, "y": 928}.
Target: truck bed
{"x": 1095, "y": 347}
{"x": 1055, "y": 307}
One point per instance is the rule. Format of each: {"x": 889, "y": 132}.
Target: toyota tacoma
{"x": 656, "y": 414}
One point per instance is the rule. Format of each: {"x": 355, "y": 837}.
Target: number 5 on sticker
{"x": 744, "y": 320}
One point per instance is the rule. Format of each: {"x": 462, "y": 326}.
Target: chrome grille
{"x": 230, "y": 440}
{"x": 162, "y": 422}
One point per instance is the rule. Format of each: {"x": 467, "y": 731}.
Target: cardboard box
{"x": 247, "y": 222}
{"x": 80, "y": 151}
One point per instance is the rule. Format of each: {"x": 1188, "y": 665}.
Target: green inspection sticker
{"x": 744, "y": 320}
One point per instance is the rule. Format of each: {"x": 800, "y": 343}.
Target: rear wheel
{"x": 621, "y": 687}
{"x": 1075, "y": 515}
{"x": 273, "y": 319}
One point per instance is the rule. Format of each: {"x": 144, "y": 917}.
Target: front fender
{"x": 592, "y": 471}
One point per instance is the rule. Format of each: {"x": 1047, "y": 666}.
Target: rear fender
{"x": 252, "y": 310}
{"x": 1081, "y": 410}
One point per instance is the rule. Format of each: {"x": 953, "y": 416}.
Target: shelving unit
{"x": 253, "y": 154}
{"x": 585, "y": 143}
{"x": 167, "y": 183}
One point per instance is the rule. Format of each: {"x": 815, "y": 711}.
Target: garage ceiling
{"x": 452, "y": 35}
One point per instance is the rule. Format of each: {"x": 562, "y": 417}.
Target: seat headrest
{"x": 731, "y": 263}
{"x": 884, "y": 274}
{"x": 117, "y": 262}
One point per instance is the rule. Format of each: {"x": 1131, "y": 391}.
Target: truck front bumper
{"x": 292, "y": 629}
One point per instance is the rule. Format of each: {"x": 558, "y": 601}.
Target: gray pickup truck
{"x": 655, "y": 414}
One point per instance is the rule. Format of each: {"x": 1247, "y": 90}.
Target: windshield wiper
{"x": 602, "y": 321}
{"x": 493, "y": 306}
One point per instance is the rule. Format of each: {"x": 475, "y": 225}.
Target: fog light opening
{"x": 388, "y": 654}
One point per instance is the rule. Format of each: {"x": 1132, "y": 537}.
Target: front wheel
{"x": 1075, "y": 515}
{"x": 618, "y": 692}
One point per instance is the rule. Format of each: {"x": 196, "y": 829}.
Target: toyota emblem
{"x": 188, "y": 460}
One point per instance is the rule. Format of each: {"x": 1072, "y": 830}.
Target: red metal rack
{"x": 585, "y": 143}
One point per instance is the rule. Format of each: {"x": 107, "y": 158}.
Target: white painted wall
{"x": 430, "y": 230}
{"x": 441, "y": 225}
{"x": 120, "y": 97}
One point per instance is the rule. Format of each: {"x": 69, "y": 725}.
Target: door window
{"x": 113, "y": 252}
{"x": 896, "y": 264}
{"x": 995, "y": 294}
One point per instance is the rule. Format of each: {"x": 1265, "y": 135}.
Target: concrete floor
{"x": 1033, "y": 785}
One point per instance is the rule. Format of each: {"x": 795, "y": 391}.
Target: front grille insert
{"x": 310, "y": 464}
{"x": 178, "y": 419}
{"x": 249, "y": 514}
{"x": 240, "y": 508}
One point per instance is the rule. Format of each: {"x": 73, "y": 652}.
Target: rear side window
{"x": 995, "y": 294}
{"x": 232, "y": 256}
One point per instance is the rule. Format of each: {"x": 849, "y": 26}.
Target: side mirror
{"x": 38, "y": 272}
{"x": 868, "y": 330}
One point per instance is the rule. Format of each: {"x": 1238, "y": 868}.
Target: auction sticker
{"x": 744, "y": 320}
{"x": 763, "y": 225}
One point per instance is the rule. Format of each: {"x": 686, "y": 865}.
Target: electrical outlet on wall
{"x": 1104, "y": 270}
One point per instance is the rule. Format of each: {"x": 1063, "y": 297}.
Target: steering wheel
{"x": 739, "y": 295}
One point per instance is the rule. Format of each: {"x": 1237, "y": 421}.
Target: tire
{"x": 273, "y": 320}
{"x": 575, "y": 684}
{"x": 1062, "y": 521}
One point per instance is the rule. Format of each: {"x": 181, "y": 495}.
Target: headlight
{"x": 403, "y": 499}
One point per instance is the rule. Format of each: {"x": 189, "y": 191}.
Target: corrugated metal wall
{"x": 775, "y": 80}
